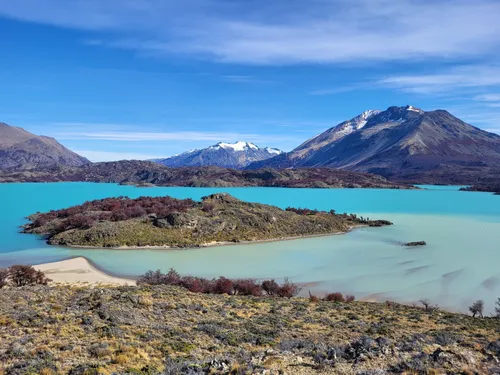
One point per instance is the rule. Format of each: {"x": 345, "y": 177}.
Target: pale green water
{"x": 460, "y": 263}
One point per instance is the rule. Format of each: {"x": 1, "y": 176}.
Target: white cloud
{"x": 469, "y": 77}
{"x": 245, "y": 79}
{"x": 96, "y": 156}
{"x": 188, "y": 136}
{"x": 281, "y": 32}
{"x": 488, "y": 98}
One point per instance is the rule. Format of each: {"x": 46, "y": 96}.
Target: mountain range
{"x": 397, "y": 143}
{"x": 20, "y": 149}
{"x": 404, "y": 144}
{"x": 226, "y": 155}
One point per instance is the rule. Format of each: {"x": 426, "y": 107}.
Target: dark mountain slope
{"x": 20, "y": 149}
{"x": 142, "y": 172}
{"x": 397, "y": 143}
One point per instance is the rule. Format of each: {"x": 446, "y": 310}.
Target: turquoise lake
{"x": 461, "y": 262}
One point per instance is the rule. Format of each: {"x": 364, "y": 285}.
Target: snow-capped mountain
{"x": 398, "y": 142}
{"x": 227, "y": 155}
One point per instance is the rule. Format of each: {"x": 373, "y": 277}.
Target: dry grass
{"x": 149, "y": 330}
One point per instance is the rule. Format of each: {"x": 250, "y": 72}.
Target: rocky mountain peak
{"x": 227, "y": 155}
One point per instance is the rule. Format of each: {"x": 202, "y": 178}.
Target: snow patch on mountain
{"x": 227, "y": 155}
{"x": 238, "y": 146}
{"x": 413, "y": 109}
{"x": 354, "y": 124}
{"x": 273, "y": 151}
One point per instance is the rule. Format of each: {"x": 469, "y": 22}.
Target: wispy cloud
{"x": 281, "y": 32}
{"x": 188, "y": 136}
{"x": 488, "y": 98}
{"x": 96, "y": 156}
{"x": 246, "y": 79}
{"x": 339, "y": 90}
{"x": 468, "y": 77}
{"x": 470, "y": 91}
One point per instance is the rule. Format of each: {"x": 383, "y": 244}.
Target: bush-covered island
{"x": 168, "y": 222}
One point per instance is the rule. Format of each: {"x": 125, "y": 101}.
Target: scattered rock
{"x": 416, "y": 243}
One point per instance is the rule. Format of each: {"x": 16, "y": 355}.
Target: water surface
{"x": 459, "y": 264}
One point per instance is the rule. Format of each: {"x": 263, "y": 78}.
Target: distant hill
{"x": 399, "y": 143}
{"x": 227, "y": 155}
{"x": 144, "y": 173}
{"x": 20, "y": 149}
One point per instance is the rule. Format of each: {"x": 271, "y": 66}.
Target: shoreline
{"x": 209, "y": 244}
{"x": 80, "y": 271}
{"x": 404, "y": 186}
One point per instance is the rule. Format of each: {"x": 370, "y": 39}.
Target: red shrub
{"x": 349, "y": 298}
{"x": 118, "y": 215}
{"x": 302, "y": 211}
{"x": 288, "y": 289}
{"x": 171, "y": 278}
{"x": 335, "y": 297}
{"x": 26, "y": 275}
{"x": 271, "y": 287}
{"x": 40, "y": 221}
{"x": 104, "y": 216}
{"x": 223, "y": 286}
{"x": 136, "y": 211}
{"x": 80, "y": 221}
{"x": 313, "y": 298}
{"x": 151, "y": 278}
{"x": 247, "y": 287}
{"x": 196, "y": 284}
{"x": 208, "y": 207}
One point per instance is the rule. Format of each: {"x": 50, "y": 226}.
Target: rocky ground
{"x": 168, "y": 330}
{"x": 164, "y": 221}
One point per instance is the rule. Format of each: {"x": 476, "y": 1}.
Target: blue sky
{"x": 114, "y": 79}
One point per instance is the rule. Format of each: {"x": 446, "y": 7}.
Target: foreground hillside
{"x": 20, "y": 149}
{"x": 143, "y": 172}
{"x": 169, "y": 222}
{"x": 167, "y": 330}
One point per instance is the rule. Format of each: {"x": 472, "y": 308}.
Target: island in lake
{"x": 168, "y": 222}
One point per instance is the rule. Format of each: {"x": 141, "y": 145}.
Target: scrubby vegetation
{"x": 165, "y": 221}
{"x": 222, "y": 285}
{"x": 21, "y": 275}
{"x": 166, "y": 329}
{"x": 111, "y": 209}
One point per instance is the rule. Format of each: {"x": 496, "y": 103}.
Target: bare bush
{"x": 477, "y": 308}
{"x": 428, "y": 306}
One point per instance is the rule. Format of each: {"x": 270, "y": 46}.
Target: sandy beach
{"x": 79, "y": 271}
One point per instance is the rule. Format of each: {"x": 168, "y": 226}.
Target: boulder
{"x": 416, "y": 243}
